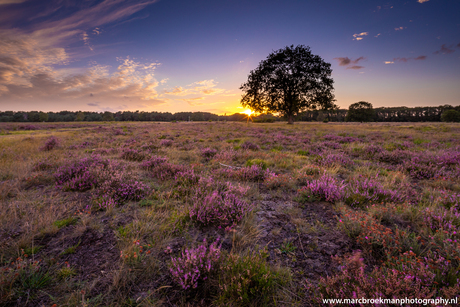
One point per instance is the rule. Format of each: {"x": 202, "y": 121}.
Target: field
{"x": 227, "y": 214}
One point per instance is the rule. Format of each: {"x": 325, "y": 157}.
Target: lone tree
{"x": 360, "y": 112}
{"x": 289, "y": 81}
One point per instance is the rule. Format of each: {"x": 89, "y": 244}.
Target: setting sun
{"x": 248, "y": 112}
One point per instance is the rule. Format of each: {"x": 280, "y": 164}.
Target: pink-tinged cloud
{"x": 444, "y": 50}
{"x": 420, "y": 57}
{"x": 355, "y": 67}
{"x": 359, "y": 36}
{"x": 345, "y": 61}
{"x": 422, "y": 1}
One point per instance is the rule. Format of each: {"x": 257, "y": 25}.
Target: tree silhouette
{"x": 289, "y": 81}
{"x": 360, "y": 112}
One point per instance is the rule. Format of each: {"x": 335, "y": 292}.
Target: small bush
{"x": 250, "y": 146}
{"x": 50, "y": 143}
{"x": 208, "y": 153}
{"x": 195, "y": 265}
{"x": 326, "y": 188}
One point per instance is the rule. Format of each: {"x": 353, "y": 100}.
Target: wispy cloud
{"x": 420, "y": 57}
{"x": 405, "y": 60}
{"x": 204, "y": 87}
{"x": 359, "y": 36}
{"x": 422, "y": 1}
{"x": 389, "y": 62}
{"x": 445, "y": 49}
{"x": 345, "y": 61}
{"x": 28, "y": 59}
{"x": 400, "y": 28}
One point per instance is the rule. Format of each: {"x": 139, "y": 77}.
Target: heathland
{"x": 227, "y": 214}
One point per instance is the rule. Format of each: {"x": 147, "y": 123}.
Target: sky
{"x": 182, "y": 56}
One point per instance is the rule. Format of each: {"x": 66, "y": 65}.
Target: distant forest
{"x": 394, "y": 114}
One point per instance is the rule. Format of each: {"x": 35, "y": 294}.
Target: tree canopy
{"x": 360, "y": 112}
{"x": 289, "y": 81}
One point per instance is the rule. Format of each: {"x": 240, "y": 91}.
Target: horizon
{"x": 177, "y": 56}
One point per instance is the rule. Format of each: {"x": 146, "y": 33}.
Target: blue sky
{"x": 175, "y": 55}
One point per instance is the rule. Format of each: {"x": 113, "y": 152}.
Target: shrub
{"x": 363, "y": 191}
{"x": 208, "y": 153}
{"x": 220, "y": 208}
{"x": 325, "y": 188}
{"x": 79, "y": 175}
{"x": 250, "y": 146}
{"x": 50, "y": 143}
{"x": 195, "y": 265}
{"x": 153, "y": 162}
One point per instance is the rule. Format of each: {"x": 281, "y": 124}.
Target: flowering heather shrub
{"x": 449, "y": 199}
{"x": 153, "y": 162}
{"x": 440, "y": 219}
{"x": 371, "y": 150}
{"x": 250, "y": 146}
{"x": 223, "y": 209}
{"x": 393, "y": 157}
{"x": 50, "y": 143}
{"x": 420, "y": 170}
{"x": 364, "y": 191}
{"x": 166, "y": 170}
{"x": 335, "y": 159}
{"x": 85, "y": 144}
{"x": 325, "y": 188}
{"x": 79, "y": 175}
{"x": 195, "y": 265}
{"x": 166, "y": 143}
{"x": 208, "y": 153}
{"x": 133, "y": 155}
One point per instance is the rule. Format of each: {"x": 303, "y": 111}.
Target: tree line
{"x": 384, "y": 114}
{"x": 69, "y": 116}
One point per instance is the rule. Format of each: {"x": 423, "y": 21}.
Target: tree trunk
{"x": 290, "y": 119}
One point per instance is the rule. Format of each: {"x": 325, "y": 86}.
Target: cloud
{"x": 400, "y": 28}
{"x": 204, "y": 87}
{"x": 359, "y": 36}
{"x": 347, "y": 61}
{"x": 378, "y": 35}
{"x": 422, "y": 1}
{"x": 458, "y": 45}
{"x": 444, "y": 50}
{"x": 355, "y": 67}
{"x": 29, "y": 59}
{"x": 194, "y": 101}
{"x": 93, "y": 104}
{"x": 405, "y": 60}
